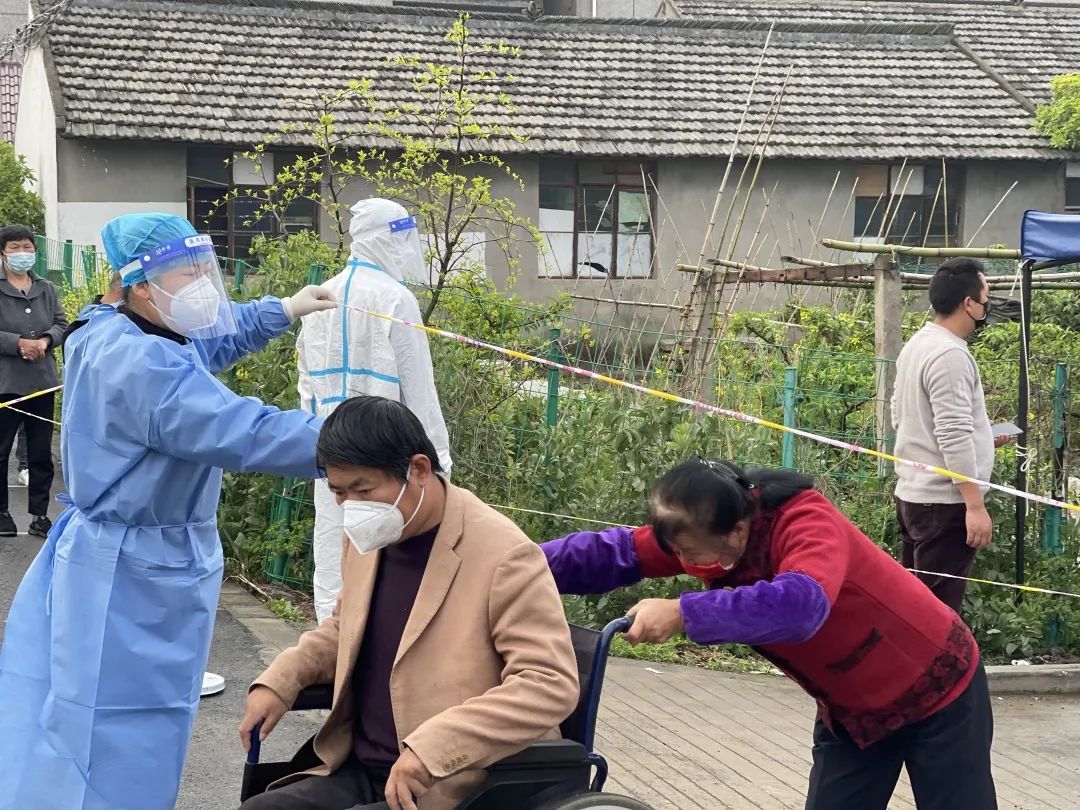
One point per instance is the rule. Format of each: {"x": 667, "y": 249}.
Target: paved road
{"x": 215, "y": 762}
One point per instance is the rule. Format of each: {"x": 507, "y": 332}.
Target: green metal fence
{"x": 72, "y": 266}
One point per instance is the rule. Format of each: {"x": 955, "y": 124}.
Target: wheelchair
{"x": 564, "y": 774}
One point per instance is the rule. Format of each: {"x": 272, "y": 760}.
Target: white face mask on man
{"x": 372, "y": 525}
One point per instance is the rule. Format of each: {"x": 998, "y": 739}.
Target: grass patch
{"x": 680, "y": 650}
{"x": 286, "y": 610}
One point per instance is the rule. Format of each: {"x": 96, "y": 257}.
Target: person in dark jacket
{"x": 31, "y": 325}
{"x": 895, "y": 673}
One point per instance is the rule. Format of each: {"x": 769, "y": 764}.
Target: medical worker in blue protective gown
{"x": 346, "y": 353}
{"x": 109, "y": 632}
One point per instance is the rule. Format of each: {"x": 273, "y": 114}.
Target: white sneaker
{"x": 24, "y": 477}
{"x": 212, "y": 684}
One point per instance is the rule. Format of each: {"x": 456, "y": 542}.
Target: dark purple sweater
{"x": 401, "y": 569}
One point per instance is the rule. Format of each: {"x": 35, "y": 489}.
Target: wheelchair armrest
{"x": 320, "y": 696}
{"x": 545, "y": 753}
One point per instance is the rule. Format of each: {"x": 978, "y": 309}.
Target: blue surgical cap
{"x": 128, "y": 237}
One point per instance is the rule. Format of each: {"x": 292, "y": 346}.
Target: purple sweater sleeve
{"x": 593, "y": 562}
{"x": 789, "y": 609}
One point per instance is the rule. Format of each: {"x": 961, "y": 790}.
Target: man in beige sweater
{"x": 939, "y": 415}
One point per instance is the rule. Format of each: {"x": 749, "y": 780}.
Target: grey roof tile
{"x": 1027, "y": 42}
{"x": 236, "y": 72}
{"x": 10, "y": 74}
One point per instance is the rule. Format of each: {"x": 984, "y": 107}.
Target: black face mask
{"x": 981, "y": 322}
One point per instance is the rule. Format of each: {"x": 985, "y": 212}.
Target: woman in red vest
{"x": 895, "y": 673}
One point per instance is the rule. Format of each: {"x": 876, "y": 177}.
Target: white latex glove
{"x": 309, "y": 299}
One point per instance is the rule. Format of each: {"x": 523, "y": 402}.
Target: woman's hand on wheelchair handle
{"x": 655, "y": 621}
{"x": 263, "y": 707}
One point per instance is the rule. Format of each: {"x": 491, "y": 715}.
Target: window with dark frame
{"x": 1072, "y": 188}
{"x": 919, "y": 202}
{"x": 212, "y": 174}
{"x": 596, "y": 219}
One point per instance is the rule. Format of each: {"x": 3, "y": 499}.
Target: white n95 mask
{"x": 372, "y": 525}
{"x": 195, "y": 306}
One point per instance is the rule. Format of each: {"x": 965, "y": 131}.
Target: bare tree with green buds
{"x": 435, "y": 151}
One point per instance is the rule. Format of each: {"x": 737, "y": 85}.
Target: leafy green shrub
{"x": 18, "y": 205}
{"x": 1060, "y": 119}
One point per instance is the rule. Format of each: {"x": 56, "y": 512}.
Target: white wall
{"x": 99, "y": 180}
{"x": 81, "y": 222}
{"x": 35, "y": 134}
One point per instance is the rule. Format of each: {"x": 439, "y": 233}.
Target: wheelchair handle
{"x": 256, "y": 745}
{"x": 596, "y": 676}
{"x": 611, "y": 629}
{"x": 624, "y": 624}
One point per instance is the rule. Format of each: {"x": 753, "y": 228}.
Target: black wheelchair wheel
{"x": 595, "y": 801}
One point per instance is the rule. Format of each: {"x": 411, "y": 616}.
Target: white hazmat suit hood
{"x": 345, "y": 353}
{"x": 384, "y": 234}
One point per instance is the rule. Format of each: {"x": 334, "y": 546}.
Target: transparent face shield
{"x": 395, "y": 248}
{"x": 186, "y": 287}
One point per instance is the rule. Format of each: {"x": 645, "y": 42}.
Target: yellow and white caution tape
{"x": 702, "y": 406}
{"x": 12, "y": 402}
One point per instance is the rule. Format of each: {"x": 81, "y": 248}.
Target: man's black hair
{"x": 954, "y": 281}
{"x": 14, "y": 233}
{"x": 373, "y": 432}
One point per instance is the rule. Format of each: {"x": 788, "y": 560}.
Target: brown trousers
{"x": 934, "y": 538}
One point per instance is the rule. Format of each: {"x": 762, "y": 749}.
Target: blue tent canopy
{"x": 1047, "y": 237}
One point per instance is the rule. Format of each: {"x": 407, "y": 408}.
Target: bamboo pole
{"x": 992, "y": 212}
{"x": 727, "y": 173}
{"x": 911, "y": 250}
{"x": 824, "y": 213}
{"x": 646, "y": 304}
{"x": 890, "y": 210}
{"x": 913, "y": 280}
{"x": 945, "y": 198}
{"x": 806, "y": 262}
{"x": 700, "y": 328}
{"x": 865, "y": 283}
{"x": 933, "y": 210}
{"x": 752, "y": 254}
{"x": 711, "y": 304}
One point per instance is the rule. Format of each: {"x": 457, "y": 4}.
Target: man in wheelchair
{"x": 448, "y": 648}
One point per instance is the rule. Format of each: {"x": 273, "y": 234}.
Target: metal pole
{"x": 787, "y": 451}
{"x": 238, "y": 276}
{"x": 553, "y": 379}
{"x": 42, "y": 262}
{"x": 89, "y": 257}
{"x": 69, "y": 261}
{"x": 1023, "y": 406}
{"x": 888, "y": 338}
{"x": 280, "y": 515}
{"x": 316, "y": 273}
{"x": 1051, "y": 539}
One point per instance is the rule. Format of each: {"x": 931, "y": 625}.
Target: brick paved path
{"x": 680, "y": 738}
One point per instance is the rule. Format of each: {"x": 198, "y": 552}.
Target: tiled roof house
{"x": 149, "y": 99}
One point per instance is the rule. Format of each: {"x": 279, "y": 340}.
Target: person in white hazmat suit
{"x": 344, "y": 353}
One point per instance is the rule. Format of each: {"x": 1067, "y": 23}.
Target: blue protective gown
{"x": 110, "y": 630}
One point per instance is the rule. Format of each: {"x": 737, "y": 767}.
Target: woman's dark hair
{"x": 373, "y": 432}
{"x": 715, "y": 495}
{"x": 14, "y": 233}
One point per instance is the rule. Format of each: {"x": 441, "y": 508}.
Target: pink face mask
{"x": 709, "y": 572}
